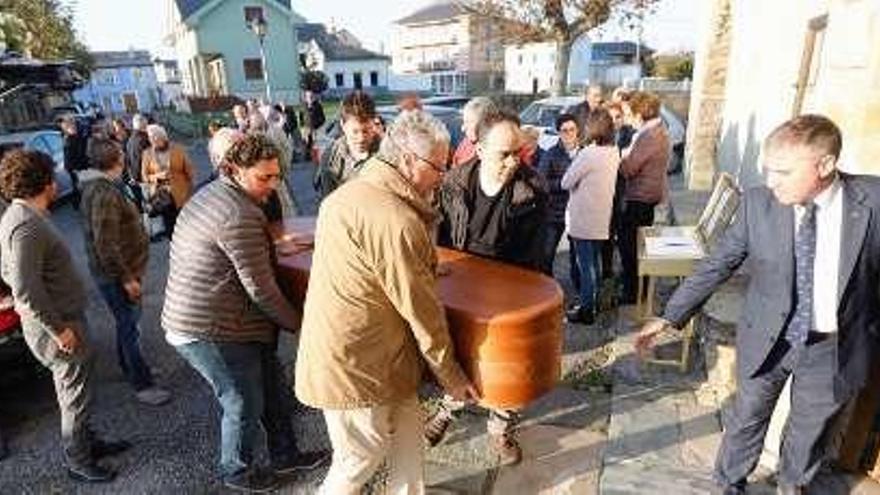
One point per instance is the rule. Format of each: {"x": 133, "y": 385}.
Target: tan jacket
{"x": 181, "y": 173}
{"x": 372, "y": 312}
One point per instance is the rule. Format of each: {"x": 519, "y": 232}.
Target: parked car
{"x": 48, "y": 141}
{"x": 457, "y": 102}
{"x": 12, "y": 346}
{"x": 451, "y": 118}
{"x": 542, "y": 114}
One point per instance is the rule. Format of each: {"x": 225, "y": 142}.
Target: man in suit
{"x": 811, "y": 239}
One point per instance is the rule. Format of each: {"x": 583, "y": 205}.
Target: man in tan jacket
{"x": 372, "y": 313}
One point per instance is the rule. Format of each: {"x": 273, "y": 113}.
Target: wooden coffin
{"x": 506, "y": 322}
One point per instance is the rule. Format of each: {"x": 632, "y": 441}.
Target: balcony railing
{"x": 436, "y": 66}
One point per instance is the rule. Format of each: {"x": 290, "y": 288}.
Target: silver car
{"x": 48, "y": 141}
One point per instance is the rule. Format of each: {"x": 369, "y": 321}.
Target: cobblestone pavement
{"x": 176, "y": 444}
{"x": 651, "y": 436}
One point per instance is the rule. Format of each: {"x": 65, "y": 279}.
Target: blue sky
{"x": 120, "y": 24}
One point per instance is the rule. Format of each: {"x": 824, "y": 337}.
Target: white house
{"x": 339, "y": 55}
{"x": 529, "y": 67}
{"x": 445, "y": 49}
{"x": 170, "y": 85}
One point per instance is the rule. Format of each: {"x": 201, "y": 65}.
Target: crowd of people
{"x": 389, "y": 192}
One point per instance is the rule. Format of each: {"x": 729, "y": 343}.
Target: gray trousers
{"x": 805, "y": 438}
{"x": 71, "y": 374}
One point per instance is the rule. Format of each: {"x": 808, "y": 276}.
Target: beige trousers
{"x": 363, "y": 438}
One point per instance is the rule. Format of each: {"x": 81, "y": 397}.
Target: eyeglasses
{"x": 505, "y": 154}
{"x": 439, "y": 168}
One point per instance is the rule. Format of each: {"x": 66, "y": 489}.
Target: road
{"x": 175, "y": 446}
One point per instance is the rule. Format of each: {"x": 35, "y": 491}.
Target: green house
{"x": 218, "y": 45}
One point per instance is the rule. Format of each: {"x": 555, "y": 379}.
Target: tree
{"x": 311, "y": 79}
{"x": 677, "y": 66}
{"x": 43, "y": 29}
{"x": 561, "y": 21}
{"x": 314, "y": 81}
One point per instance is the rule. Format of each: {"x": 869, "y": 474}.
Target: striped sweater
{"x": 221, "y": 280}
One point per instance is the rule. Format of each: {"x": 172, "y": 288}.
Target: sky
{"x": 110, "y": 24}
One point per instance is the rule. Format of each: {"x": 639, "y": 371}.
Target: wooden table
{"x": 505, "y": 321}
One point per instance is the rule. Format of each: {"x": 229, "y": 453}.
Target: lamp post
{"x": 259, "y": 26}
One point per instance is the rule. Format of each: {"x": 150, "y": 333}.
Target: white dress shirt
{"x": 826, "y": 265}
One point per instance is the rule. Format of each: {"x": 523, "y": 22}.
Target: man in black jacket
{"x": 75, "y": 156}
{"x": 494, "y": 207}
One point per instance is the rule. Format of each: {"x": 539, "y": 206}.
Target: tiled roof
{"x": 332, "y": 47}
{"x": 127, "y": 58}
{"x": 435, "y": 12}
{"x": 190, "y": 7}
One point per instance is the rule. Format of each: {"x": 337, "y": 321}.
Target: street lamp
{"x": 260, "y": 27}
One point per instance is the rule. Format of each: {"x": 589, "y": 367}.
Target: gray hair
{"x": 415, "y": 131}
{"x": 223, "y": 139}
{"x": 479, "y": 107}
{"x": 156, "y": 131}
{"x": 139, "y": 122}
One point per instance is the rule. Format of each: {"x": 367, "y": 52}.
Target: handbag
{"x": 160, "y": 201}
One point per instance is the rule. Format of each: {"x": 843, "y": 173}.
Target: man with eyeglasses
{"x": 372, "y": 314}
{"x": 493, "y": 207}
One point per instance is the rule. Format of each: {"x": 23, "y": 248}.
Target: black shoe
{"x": 304, "y": 461}
{"x": 582, "y": 315}
{"x": 91, "y": 473}
{"x": 251, "y": 481}
{"x": 102, "y": 448}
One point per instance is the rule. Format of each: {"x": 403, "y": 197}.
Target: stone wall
{"x": 707, "y": 96}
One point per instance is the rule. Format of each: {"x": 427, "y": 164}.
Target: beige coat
{"x": 181, "y": 173}
{"x": 372, "y": 311}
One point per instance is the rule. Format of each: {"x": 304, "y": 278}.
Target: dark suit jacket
{"x": 762, "y": 235}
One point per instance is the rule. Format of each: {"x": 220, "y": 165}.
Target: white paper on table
{"x": 673, "y": 246}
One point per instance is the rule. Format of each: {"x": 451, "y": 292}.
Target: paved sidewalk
{"x": 662, "y": 436}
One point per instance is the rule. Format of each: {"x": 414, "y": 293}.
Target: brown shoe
{"x": 436, "y": 426}
{"x": 506, "y": 448}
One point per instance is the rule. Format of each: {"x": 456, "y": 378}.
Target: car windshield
{"x": 540, "y": 114}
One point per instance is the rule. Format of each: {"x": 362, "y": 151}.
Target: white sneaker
{"x": 153, "y": 396}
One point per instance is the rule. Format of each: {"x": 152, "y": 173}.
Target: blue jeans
{"x": 589, "y": 270}
{"x": 248, "y": 385}
{"x": 554, "y": 233}
{"x": 128, "y": 335}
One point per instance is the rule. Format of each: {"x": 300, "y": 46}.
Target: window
{"x": 253, "y": 14}
{"x": 107, "y": 77}
{"x": 519, "y": 59}
{"x": 340, "y": 79}
{"x": 374, "y": 79}
{"x": 358, "y": 80}
{"x": 136, "y": 74}
{"x": 253, "y": 68}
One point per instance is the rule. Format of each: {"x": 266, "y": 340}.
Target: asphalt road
{"x": 175, "y": 446}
